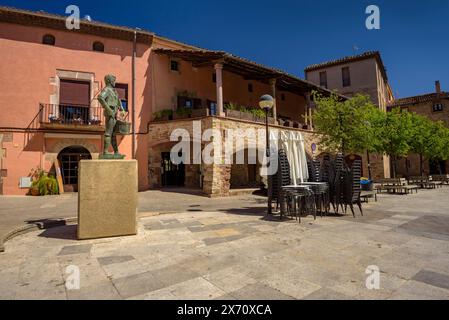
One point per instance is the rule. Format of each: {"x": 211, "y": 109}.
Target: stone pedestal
{"x": 107, "y": 198}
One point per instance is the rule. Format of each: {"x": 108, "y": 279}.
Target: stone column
{"x": 273, "y": 94}
{"x": 219, "y": 82}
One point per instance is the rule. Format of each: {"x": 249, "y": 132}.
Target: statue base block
{"x": 107, "y": 198}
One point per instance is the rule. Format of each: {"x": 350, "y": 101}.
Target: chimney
{"x": 437, "y": 87}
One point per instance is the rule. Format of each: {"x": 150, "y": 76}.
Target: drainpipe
{"x": 133, "y": 93}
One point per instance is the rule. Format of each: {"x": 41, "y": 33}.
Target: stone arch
{"x": 92, "y": 148}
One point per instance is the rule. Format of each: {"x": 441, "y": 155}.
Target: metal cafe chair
{"x": 352, "y": 188}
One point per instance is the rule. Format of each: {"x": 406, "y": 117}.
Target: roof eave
{"x": 52, "y": 21}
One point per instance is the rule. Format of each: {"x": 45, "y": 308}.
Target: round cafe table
{"x": 297, "y": 199}
{"x": 321, "y": 191}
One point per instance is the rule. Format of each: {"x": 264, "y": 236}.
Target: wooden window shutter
{"x": 122, "y": 91}
{"x": 75, "y": 93}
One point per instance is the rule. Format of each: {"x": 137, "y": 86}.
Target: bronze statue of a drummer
{"x": 112, "y": 106}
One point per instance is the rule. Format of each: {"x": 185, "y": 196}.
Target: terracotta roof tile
{"x": 55, "y": 21}
{"x": 418, "y": 99}
{"x": 363, "y": 56}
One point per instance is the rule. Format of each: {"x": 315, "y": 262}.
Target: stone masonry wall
{"x": 216, "y": 177}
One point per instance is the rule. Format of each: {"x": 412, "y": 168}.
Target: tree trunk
{"x": 421, "y": 167}
{"x": 406, "y": 167}
{"x": 394, "y": 166}
{"x": 369, "y": 164}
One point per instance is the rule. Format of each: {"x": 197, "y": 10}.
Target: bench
{"x": 396, "y": 185}
{"x": 424, "y": 182}
{"x": 441, "y": 179}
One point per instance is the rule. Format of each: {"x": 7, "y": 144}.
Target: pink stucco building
{"x": 50, "y": 77}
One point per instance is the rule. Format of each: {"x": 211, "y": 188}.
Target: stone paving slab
{"x": 114, "y": 259}
{"x": 224, "y": 255}
{"x": 259, "y": 291}
{"x": 433, "y": 278}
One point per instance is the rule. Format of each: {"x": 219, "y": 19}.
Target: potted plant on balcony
{"x": 77, "y": 120}
{"x": 163, "y": 115}
{"x": 54, "y": 119}
{"x": 95, "y": 121}
{"x": 258, "y": 114}
{"x": 182, "y": 113}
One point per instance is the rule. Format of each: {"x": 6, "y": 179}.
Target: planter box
{"x": 164, "y": 118}
{"x": 258, "y": 119}
{"x": 183, "y": 116}
{"x": 233, "y": 114}
{"x": 196, "y": 113}
{"x": 247, "y": 116}
{"x": 262, "y": 120}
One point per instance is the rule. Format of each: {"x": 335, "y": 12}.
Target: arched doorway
{"x": 172, "y": 175}
{"x": 69, "y": 159}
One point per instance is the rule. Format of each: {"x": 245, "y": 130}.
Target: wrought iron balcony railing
{"x": 71, "y": 115}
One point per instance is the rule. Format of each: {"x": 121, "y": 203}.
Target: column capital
{"x": 273, "y": 81}
{"x": 218, "y": 65}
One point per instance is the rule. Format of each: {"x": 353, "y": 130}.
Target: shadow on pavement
{"x": 67, "y": 232}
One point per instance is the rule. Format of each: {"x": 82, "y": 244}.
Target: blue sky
{"x": 290, "y": 35}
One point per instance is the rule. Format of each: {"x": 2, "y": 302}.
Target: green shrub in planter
{"x": 46, "y": 184}
{"x": 166, "y": 114}
{"x": 183, "y": 112}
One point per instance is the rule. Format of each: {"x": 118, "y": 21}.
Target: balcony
{"x": 71, "y": 117}
{"x": 170, "y": 115}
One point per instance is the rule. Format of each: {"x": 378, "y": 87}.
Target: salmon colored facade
{"x": 30, "y": 72}
{"x": 38, "y": 127}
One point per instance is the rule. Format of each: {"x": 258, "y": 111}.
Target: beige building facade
{"x": 364, "y": 74}
{"x": 434, "y": 106}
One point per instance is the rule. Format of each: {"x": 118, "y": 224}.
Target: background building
{"x": 51, "y": 76}
{"x": 364, "y": 74}
{"x": 435, "y": 106}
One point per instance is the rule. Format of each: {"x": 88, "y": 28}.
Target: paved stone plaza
{"x": 236, "y": 253}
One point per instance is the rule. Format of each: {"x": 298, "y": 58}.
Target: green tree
{"x": 395, "y": 132}
{"x": 348, "y": 126}
{"x": 438, "y": 143}
{"x": 421, "y": 134}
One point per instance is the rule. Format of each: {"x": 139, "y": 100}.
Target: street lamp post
{"x": 266, "y": 102}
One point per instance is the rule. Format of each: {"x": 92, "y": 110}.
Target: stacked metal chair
{"x": 278, "y": 180}
{"x": 352, "y": 188}
{"x": 342, "y": 190}
{"x": 337, "y": 182}
{"x": 314, "y": 168}
{"x": 295, "y": 201}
